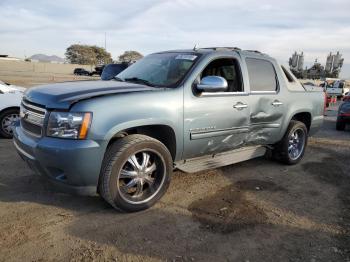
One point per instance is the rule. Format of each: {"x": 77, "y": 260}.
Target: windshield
{"x": 165, "y": 69}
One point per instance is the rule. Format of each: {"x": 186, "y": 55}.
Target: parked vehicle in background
{"x": 346, "y": 89}
{"x": 81, "y": 72}
{"x": 98, "y": 70}
{"x": 346, "y": 96}
{"x": 111, "y": 70}
{"x": 336, "y": 88}
{"x": 10, "y": 100}
{"x": 189, "y": 109}
{"x": 343, "y": 117}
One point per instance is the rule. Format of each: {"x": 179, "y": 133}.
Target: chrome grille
{"x": 32, "y": 117}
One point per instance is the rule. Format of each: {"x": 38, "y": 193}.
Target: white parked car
{"x": 10, "y": 100}
{"x": 337, "y": 88}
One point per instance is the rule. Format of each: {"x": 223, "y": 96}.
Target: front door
{"x": 216, "y": 122}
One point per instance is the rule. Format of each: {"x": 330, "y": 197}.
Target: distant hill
{"x": 47, "y": 58}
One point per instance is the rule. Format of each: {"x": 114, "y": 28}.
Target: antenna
{"x": 195, "y": 48}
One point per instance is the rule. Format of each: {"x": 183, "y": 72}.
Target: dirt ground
{"x": 258, "y": 210}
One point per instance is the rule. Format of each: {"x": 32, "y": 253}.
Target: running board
{"x": 221, "y": 159}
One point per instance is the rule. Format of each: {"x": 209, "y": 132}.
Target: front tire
{"x": 7, "y": 120}
{"x": 135, "y": 173}
{"x": 290, "y": 150}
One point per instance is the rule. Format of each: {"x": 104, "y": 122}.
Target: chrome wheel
{"x": 141, "y": 176}
{"x": 296, "y": 144}
{"x": 8, "y": 122}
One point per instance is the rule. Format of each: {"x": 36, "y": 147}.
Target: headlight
{"x": 69, "y": 125}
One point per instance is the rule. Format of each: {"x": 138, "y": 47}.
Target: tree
{"x": 130, "y": 56}
{"x": 102, "y": 56}
{"x": 87, "y": 55}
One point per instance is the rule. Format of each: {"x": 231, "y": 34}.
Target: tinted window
{"x": 262, "y": 76}
{"x": 288, "y": 75}
{"x": 227, "y": 68}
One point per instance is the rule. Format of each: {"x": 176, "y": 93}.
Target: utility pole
{"x": 105, "y": 41}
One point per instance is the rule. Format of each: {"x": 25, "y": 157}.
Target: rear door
{"x": 267, "y": 105}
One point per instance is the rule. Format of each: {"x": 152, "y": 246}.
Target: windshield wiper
{"x": 119, "y": 79}
{"x": 138, "y": 80}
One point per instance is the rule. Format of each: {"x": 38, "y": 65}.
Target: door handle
{"x": 276, "y": 103}
{"x": 240, "y": 106}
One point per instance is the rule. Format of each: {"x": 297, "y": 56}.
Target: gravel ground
{"x": 258, "y": 210}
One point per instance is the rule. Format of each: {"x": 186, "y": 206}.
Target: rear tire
{"x": 135, "y": 173}
{"x": 340, "y": 126}
{"x": 7, "y": 120}
{"x": 290, "y": 150}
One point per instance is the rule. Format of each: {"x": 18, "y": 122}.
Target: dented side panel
{"x": 214, "y": 127}
{"x": 265, "y": 118}
{"x": 211, "y": 125}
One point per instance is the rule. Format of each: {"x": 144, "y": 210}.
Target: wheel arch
{"x": 304, "y": 117}
{"x": 9, "y": 108}
{"x": 301, "y": 115}
{"x": 163, "y": 133}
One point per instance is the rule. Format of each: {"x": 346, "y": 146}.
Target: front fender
{"x": 146, "y": 122}
{"x": 112, "y": 114}
{"x": 136, "y": 123}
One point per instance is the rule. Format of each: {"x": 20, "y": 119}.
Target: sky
{"x": 275, "y": 27}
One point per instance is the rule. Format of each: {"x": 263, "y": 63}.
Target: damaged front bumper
{"x": 71, "y": 165}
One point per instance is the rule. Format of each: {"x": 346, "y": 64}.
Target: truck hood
{"x": 63, "y": 95}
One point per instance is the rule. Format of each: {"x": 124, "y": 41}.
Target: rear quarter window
{"x": 262, "y": 75}
{"x": 288, "y": 75}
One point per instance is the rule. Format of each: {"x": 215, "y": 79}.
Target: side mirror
{"x": 213, "y": 84}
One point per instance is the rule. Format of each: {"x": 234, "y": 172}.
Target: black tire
{"x": 281, "y": 151}
{"x": 340, "y": 126}
{"x": 114, "y": 188}
{"x": 4, "y": 128}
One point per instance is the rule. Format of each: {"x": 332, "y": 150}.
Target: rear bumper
{"x": 345, "y": 119}
{"x": 72, "y": 166}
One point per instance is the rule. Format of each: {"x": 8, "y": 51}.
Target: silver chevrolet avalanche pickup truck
{"x": 186, "y": 109}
